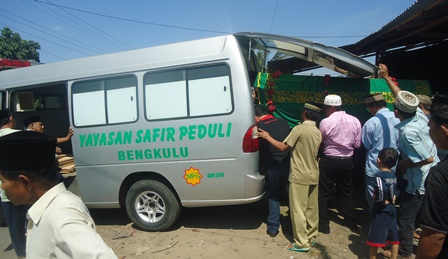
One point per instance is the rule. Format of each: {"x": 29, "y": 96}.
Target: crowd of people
{"x": 405, "y": 170}
{"x": 405, "y": 165}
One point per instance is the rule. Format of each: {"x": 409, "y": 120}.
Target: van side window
{"x": 47, "y": 101}
{"x": 188, "y": 93}
{"x": 166, "y": 95}
{"x": 106, "y": 101}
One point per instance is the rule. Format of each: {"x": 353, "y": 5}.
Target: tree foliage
{"x": 12, "y": 46}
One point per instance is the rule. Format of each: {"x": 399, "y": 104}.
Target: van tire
{"x": 152, "y": 206}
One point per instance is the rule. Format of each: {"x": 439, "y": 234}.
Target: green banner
{"x": 289, "y": 92}
{"x": 414, "y": 86}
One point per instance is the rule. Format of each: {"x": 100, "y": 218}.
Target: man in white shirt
{"x": 59, "y": 224}
{"x": 15, "y": 215}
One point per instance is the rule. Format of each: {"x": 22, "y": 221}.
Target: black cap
{"x": 5, "y": 114}
{"x": 27, "y": 150}
{"x": 31, "y": 119}
{"x": 440, "y": 98}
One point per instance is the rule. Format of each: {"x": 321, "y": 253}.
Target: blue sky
{"x": 68, "y": 29}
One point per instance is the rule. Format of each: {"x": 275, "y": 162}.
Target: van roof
{"x": 114, "y": 63}
{"x": 195, "y": 51}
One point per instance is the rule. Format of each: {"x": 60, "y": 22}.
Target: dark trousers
{"x": 410, "y": 205}
{"x": 276, "y": 176}
{"x": 16, "y": 219}
{"x": 339, "y": 172}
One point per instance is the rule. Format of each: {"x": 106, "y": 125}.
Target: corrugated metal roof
{"x": 424, "y": 22}
{"x": 406, "y": 14}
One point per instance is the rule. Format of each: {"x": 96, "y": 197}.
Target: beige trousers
{"x": 304, "y": 213}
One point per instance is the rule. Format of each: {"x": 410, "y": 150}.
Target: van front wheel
{"x": 152, "y": 206}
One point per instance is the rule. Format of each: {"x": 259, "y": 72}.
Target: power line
{"x": 110, "y": 36}
{"x": 61, "y": 7}
{"x": 62, "y": 39}
{"x": 52, "y": 54}
{"x": 40, "y": 48}
{"x": 132, "y": 20}
{"x": 273, "y": 16}
{"x": 185, "y": 28}
{"x": 56, "y": 17}
{"x": 46, "y": 39}
{"x": 75, "y": 24}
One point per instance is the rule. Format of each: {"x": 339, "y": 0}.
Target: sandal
{"x": 385, "y": 253}
{"x": 293, "y": 247}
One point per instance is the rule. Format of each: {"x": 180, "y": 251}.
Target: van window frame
{"x": 103, "y": 87}
{"x": 186, "y": 69}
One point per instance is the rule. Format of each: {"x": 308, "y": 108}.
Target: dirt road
{"x": 230, "y": 232}
{"x": 222, "y": 232}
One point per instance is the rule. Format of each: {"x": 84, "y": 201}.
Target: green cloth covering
{"x": 414, "y": 86}
{"x": 290, "y": 92}
{"x": 261, "y": 80}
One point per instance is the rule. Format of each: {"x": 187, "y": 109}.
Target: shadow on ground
{"x": 247, "y": 216}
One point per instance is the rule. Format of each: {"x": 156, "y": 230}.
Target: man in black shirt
{"x": 434, "y": 212}
{"x": 275, "y": 162}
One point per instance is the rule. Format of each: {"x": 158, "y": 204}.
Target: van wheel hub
{"x": 150, "y": 206}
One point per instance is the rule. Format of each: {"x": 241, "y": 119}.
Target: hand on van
{"x": 66, "y": 138}
{"x": 262, "y": 134}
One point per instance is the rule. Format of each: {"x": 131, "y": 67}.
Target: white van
{"x": 160, "y": 128}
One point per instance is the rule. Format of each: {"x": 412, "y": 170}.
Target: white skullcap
{"x": 406, "y": 101}
{"x": 333, "y": 100}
